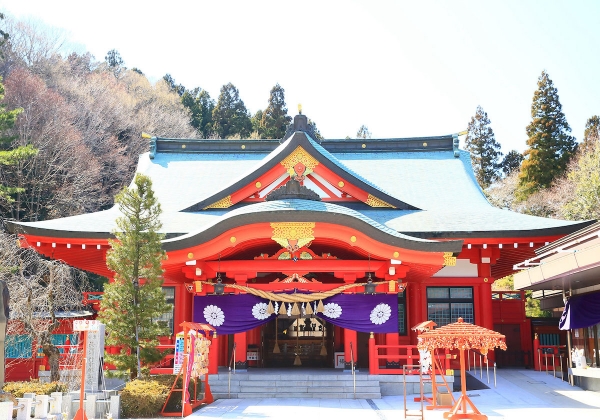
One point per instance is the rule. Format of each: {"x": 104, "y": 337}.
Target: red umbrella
{"x": 462, "y": 336}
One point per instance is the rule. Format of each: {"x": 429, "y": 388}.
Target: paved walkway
{"x": 520, "y": 394}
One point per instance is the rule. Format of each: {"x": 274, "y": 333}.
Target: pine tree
{"x": 550, "y": 147}
{"x": 10, "y": 156}
{"x": 230, "y": 116}
{"x": 135, "y": 300}
{"x": 363, "y": 132}
{"x": 511, "y": 162}
{"x": 591, "y": 135}
{"x": 485, "y": 150}
{"x": 275, "y": 120}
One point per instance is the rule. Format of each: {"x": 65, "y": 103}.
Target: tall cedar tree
{"x": 275, "y": 120}
{"x": 512, "y": 161}
{"x": 199, "y": 104}
{"x": 591, "y": 135}
{"x": 230, "y": 116}
{"x": 135, "y": 298}
{"x": 10, "y": 156}
{"x": 550, "y": 147}
{"x": 485, "y": 150}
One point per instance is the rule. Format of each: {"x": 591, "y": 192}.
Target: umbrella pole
{"x": 463, "y": 381}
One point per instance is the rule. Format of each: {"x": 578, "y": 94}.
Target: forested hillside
{"x": 71, "y": 124}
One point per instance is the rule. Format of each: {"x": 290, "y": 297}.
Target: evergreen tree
{"x": 201, "y": 106}
{"x": 10, "y": 156}
{"x": 363, "y": 132}
{"x": 275, "y": 120}
{"x": 485, "y": 150}
{"x": 591, "y": 135}
{"x": 135, "y": 300}
{"x": 550, "y": 146}
{"x": 257, "y": 127}
{"x": 230, "y": 116}
{"x": 113, "y": 59}
{"x": 512, "y": 160}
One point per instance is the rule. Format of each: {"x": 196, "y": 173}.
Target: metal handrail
{"x": 352, "y": 369}
{"x": 231, "y": 363}
{"x": 482, "y": 357}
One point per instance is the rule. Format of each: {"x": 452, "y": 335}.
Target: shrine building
{"x": 299, "y": 250}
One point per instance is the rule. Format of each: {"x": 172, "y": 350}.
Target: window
{"x": 401, "y": 313}
{"x": 169, "y": 317}
{"x": 446, "y": 304}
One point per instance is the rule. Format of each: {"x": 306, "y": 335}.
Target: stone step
{"x": 338, "y": 386}
{"x": 315, "y": 395}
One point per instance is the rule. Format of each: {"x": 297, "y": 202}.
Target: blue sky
{"x": 402, "y": 68}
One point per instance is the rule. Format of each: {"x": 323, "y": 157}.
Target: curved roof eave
{"x": 308, "y": 211}
{"x": 300, "y": 138}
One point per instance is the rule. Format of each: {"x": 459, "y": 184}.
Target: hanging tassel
{"x": 282, "y": 310}
{"x": 323, "y": 348}
{"x": 276, "y": 348}
{"x": 320, "y": 307}
{"x": 309, "y": 310}
{"x": 295, "y": 309}
{"x": 297, "y": 361}
{"x": 270, "y": 309}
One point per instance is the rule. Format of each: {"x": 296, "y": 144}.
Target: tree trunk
{"x": 53, "y": 355}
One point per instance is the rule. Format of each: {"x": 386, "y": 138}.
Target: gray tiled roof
{"x": 442, "y": 186}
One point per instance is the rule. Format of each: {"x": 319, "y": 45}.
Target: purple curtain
{"x": 231, "y": 314}
{"x": 581, "y": 311}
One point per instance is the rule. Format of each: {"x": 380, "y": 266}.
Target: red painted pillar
{"x": 536, "y": 349}
{"x": 392, "y": 339}
{"x": 415, "y": 309}
{"x": 350, "y": 341}
{"x": 213, "y": 355}
{"x": 485, "y": 296}
{"x": 373, "y": 362}
{"x": 240, "y": 349}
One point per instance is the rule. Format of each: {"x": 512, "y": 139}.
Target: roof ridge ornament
{"x": 292, "y": 190}
{"x": 300, "y": 123}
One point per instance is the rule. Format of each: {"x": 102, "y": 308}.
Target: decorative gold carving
{"x": 396, "y": 254}
{"x": 353, "y": 238}
{"x": 449, "y": 260}
{"x": 190, "y": 255}
{"x": 305, "y": 256}
{"x": 392, "y": 286}
{"x": 232, "y": 239}
{"x": 364, "y": 146}
{"x": 284, "y": 256}
{"x": 223, "y": 203}
{"x": 296, "y": 278}
{"x": 243, "y": 146}
{"x": 425, "y": 144}
{"x": 376, "y": 202}
{"x": 299, "y": 156}
{"x": 293, "y": 230}
{"x": 183, "y": 146}
{"x": 258, "y": 184}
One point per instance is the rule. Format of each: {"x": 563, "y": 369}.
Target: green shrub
{"x": 34, "y": 386}
{"x": 143, "y": 398}
{"x": 174, "y": 404}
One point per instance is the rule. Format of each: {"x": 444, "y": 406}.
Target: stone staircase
{"x": 312, "y": 384}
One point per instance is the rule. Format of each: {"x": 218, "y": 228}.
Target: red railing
{"x": 397, "y": 356}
